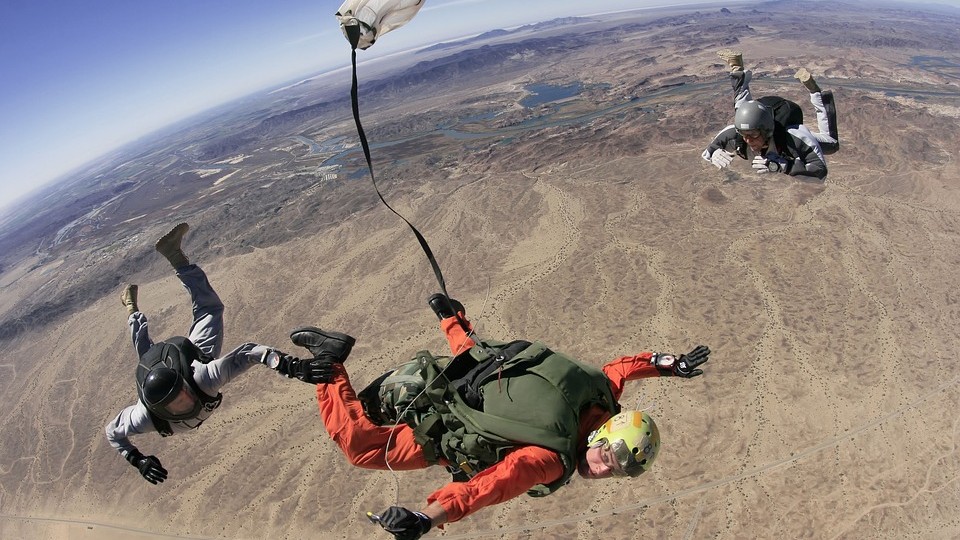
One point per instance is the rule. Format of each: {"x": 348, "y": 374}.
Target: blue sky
{"x": 78, "y": 79}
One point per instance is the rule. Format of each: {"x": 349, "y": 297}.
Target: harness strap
{"x": 421, "y": 434}
{"x": 469, "y": 385}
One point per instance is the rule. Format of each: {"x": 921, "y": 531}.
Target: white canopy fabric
{"x": 376, "y": 17}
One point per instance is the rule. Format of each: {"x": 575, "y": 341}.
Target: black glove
{"x": 149, "y": 467}
{"x": 404, "y": 524}
{"x": 289, "y": 365}
{"x": 313, "y": 371}
{"x": 685, "y": 366}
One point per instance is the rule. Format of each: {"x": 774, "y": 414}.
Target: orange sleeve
{"x": 629, "y": 368}
{"x": 521, "y": 469}
{"x": 364, "y": 443}
{"x": 456, "y": 335}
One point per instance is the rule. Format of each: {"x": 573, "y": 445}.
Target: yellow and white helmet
{"x": 634, "y": 439}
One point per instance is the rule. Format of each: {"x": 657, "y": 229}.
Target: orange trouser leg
{"x": 364, "y": 443}
{"x": 456, "y": 336}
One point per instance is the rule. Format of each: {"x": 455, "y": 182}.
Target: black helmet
{"x": 753, "y": 115}
{"x": 167, "y": 395}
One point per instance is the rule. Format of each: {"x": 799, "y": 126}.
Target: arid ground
{"x": 589, "y": 222}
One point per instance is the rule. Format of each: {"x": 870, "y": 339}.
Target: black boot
{"x": 445, "y": 307}
{"x": 333, "y": 346}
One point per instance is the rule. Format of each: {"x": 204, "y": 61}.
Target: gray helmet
{"x": 754, "y": 115}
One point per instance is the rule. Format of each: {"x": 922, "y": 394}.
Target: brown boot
{"x": 129, "y": 299}
{"x": 734, "y": 59}
{"x": 169, "y": 246}
{"x": 804, "y": 77}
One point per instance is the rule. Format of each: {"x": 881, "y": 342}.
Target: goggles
{"x": 626, "y": 461}
{"x": 750, "y": 134}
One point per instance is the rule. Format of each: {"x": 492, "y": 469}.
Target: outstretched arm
{"x": 134, "y": 420}
{"x": 520, "y": 470}
{"x": 721, "y": 150}
{"x": 214, "y": 375}
{"x": 629, "y": 368}
{"x": 648, "y": 364}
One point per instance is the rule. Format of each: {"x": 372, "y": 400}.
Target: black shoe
{"x": 445, "y": 307}
{"x": 333, "y": 346}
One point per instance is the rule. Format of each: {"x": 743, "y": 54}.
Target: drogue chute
{"x": 376, "y": 17}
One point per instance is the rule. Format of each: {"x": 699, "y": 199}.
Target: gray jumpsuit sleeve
{"x": 212, "y": 376}
{"x": 132, "y": 420}
{"x": 726, "y": 139}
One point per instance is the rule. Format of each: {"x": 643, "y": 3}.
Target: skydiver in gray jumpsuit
{"x": 171, "y": 401}
{"x": 790, "y": 149}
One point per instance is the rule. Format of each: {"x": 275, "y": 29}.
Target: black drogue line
{"x": 353, "y": 35}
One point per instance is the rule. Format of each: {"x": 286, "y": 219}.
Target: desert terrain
{"x": 586, "y": 220}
